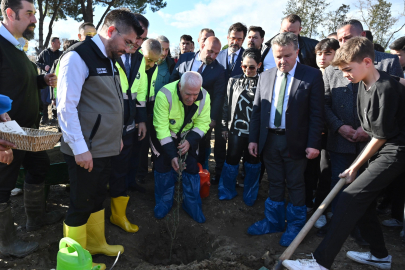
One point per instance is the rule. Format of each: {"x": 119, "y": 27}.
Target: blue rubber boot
{"x": 274, "y": 220}
{"x": 227, "y": 182}
{"x": 207, "y": 155}
{"x": 296, "y": 218}
{"x": 192, "y": 200}
{"x": 164, "y": 192}
{"x": 251, "y": 183}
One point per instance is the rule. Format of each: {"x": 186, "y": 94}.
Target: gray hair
{"x": 191, "y": 78}
{"x": 285, "y": 39}
{"x": 152, "y": 45}
{"x": 355, "y": 23}
{"x": 163, "y": 39}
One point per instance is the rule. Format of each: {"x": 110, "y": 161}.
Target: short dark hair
{"x": 332, "y": 34}
{"x": 192, "y": 42}
{"x": 369, "y": 35}
{"x": 292, "y": 18}
{"x": 257, "y": 29}
{"x": 238, "y": 27}
{"x": 253, "y": 53}
{"x": 142, "y": 20}
{"x": 15, "y": 5}
{"x": 357, "y": 24}
{"x": 83, "y": 25}
{"x": 398, "y": 44}
{"x": 378, "y": 47}
{"x": 68, "y": 43}
{"x": 124, "y": 19}
{"x": 208, "y": 30}
{"x": 53, "y": 39}
{"x": 327, "y": 44}
{"x": 186, "y": 38}
{"x": 354, "y": 50}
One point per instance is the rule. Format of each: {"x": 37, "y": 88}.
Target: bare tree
{"x": 335, "y": 18}
{"x": 378, "y": 18}
{"x": 311, "y": 12}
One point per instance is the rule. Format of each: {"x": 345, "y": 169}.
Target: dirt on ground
{"x": 221, "y": 243}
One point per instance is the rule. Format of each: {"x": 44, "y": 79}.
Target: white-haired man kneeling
{"x": 181, "y": 117}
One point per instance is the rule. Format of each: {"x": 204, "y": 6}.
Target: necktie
{"x": 280, "y": 101}
{"x": 231, "y": 63}
{"x": 127, "y": 66}
{"x": 200, "y": 69}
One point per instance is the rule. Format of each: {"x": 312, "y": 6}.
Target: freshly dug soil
{"x": 220, "y": 243}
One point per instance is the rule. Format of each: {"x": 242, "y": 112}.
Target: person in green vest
{"x": 181, "y": 117}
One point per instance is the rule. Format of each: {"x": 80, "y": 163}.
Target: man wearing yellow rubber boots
{"x": 181, "y": 117}
{"x": 90, "y": 114}
{"x": 120, "y": 163}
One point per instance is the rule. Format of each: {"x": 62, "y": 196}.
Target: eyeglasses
{"x": 128, "y": 44}
{"x": 249, "y": 67}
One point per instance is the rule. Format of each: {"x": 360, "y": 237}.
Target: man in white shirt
{"x": 90, "y": 114}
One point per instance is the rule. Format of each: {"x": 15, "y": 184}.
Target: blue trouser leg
{"x": 274, "y": 220}
{"x": 227, "y": 182}
{"x": 251, "y": 183}
{"x": 164, "y": 192}
{"x": 192, "y": 201}
{"x": 296, "y": 218}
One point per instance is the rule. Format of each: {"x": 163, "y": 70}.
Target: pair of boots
{"x": 164, "y": 193}
{"x": 34, "y": 201}
{"x": 91, "y": 236}
{"x": 118, "y": 214}
{"x": 274, "y": 221}
{"x": 227, "y": 182}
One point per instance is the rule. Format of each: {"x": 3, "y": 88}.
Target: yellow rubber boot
{"x": 79, "y": 235}
{"x": 118, "y": 214}
{"x": 96, "y": 243}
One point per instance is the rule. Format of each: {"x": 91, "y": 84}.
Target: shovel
{"x": 304, "y": 231}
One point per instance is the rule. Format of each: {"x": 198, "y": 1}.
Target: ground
{"x": 220, "y": 243}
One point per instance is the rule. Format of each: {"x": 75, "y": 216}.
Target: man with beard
{"x": 255, "y": 38}
{"x": 90, "y": 113}
{"x": 214, "y": 81}
{"x": 44, "y": 61}
{"x": 165, "y": 63}
{"x": 23, "y": 88}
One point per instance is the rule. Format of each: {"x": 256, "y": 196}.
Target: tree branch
{"x": 105, "y": 13}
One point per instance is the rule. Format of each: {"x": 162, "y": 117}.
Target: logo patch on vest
{"x": 101, "y": 70}
{"x": 172, "y": 121}
{"x": 138, "y": 76}
{"x": 153, "y": 84}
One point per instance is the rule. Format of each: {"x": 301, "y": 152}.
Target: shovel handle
{"x": 310, "y": 223}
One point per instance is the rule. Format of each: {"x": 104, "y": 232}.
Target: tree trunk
{"x": 105, "y": 13}
{"x": 55, "y": 13}
{"x": 42, "y": 15}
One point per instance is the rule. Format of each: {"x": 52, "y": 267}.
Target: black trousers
{"x": 219, "y": 148}
{"x": 283, "y": 171}
{"x": 311, "y": 176}
{"x": 238, "y": 146}
{"x": 36, "y": 164}
{"x": 357, "y": 205}
{"x": 88, "y": 190}
{"x": 120, "y": 167}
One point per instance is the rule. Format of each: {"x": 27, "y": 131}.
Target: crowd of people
{"x": 307, "y": 112}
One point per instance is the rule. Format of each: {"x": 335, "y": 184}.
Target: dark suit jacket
{"x": 306, "y": 54}
{"x": 223, "y": 60}
{"x": 340, "y": 101}
{"x": 214, "y": 81}
{"x": 304, "y": 113}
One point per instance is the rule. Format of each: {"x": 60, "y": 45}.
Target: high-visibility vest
{"x": 168, "y": 114}
{"x": 152, "y": 89}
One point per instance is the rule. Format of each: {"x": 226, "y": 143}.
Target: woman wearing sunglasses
{"x": 238, "y": 106}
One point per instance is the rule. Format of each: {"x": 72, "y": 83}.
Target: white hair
{"x": 192, "y": 79}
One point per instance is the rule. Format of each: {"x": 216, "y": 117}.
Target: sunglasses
{"x": 249, "y": 67}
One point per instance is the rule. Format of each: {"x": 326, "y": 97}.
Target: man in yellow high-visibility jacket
{"x": 181, "y": 117}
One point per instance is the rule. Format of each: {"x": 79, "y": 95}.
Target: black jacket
{"x": 306, "y": 54}
{"x": 170, "y": 64}
{"x": 47, "y": 58}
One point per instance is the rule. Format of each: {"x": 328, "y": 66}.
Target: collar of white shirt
{"x": 96, "y": 39}
{"x": 236, "y": 53}
{"x": 7, "y": 35}
{"x": 290, "y": 73}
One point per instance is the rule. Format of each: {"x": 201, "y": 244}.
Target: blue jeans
{"x": 339, "y": 163}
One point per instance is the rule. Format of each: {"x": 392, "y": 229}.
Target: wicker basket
{"x": 35, "y": 140}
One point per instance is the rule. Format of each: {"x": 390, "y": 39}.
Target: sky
{"x": 190, "y": 16}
